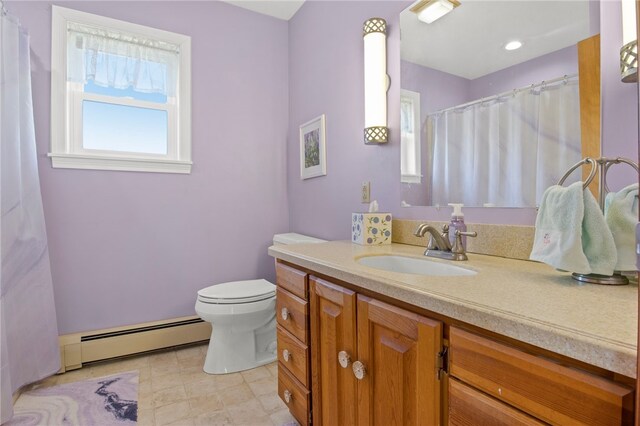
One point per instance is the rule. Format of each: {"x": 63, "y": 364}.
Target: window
{"x": 120, "y": 95}
{"x": 410, "y": 168}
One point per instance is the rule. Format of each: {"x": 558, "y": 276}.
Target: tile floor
{"x": 174, "y": 390}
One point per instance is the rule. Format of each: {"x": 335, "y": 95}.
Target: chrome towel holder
{"x": 600, "y": 166}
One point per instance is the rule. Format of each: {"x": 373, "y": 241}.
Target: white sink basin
{"x": 412, "y": 265}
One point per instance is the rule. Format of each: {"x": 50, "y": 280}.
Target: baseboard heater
{"x": 80, "y": 348}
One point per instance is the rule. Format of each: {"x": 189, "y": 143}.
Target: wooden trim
{"x": 589, "y": 82}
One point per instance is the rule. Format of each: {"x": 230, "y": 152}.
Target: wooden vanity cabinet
{"x": 373, "y": 363}
{"x": 548, "y": 391}
{"x": 328, "y": 328}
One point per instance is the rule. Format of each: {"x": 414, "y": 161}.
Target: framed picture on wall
{"x": 313, "y": 156}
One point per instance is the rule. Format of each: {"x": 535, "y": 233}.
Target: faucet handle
{"x": 458, "y": 248}
{"x": 466, "y": 234}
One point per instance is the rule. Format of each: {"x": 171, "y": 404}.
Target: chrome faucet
{"x": 439, "y": 245}
{"x": 437, "y": 241}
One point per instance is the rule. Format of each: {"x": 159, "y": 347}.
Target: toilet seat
{"x": 237, "y": 292}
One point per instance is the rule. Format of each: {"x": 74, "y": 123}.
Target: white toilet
{"x": 243, "y": 318}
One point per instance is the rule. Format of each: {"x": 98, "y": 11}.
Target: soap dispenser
{"x": 457, "y": 224}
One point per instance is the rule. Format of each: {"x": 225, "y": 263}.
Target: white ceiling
{"x": 282, "y": 9}
{"x": 469, "y": 41}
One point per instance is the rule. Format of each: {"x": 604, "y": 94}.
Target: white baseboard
{"x": 89, "y": 346}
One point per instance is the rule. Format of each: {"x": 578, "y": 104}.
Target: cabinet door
{"x": 333, "y": 328}
{"x": 399, "y": 351}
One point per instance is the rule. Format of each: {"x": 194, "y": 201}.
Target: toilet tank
{"x": 293, "y": 238}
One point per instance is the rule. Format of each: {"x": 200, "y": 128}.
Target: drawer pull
{"x": 288, "y": 396}
{"x": 286, "y": 355}
{"x": 344, "y": 359}
{"x": 284, "y": 313}
{"x": 358, "y": 370}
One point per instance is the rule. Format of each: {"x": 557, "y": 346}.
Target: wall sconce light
{"x": 431, "y": 10}
{"x": 629, "y": 50}
{"x": 376, "y": 81}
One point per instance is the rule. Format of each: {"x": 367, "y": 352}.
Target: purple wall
{"x": 133, "y": 247}
{"x": 437, "y": 90}
{"x": 322, "y": 206}
{"x": 619, "y": 100}
{"x": 546, "y": 67}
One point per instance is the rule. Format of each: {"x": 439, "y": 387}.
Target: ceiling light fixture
{"x": 513, "y": 45}
{"x": 431, "y": 10}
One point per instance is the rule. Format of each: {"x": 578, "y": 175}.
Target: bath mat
{"x": 104, "y": 401}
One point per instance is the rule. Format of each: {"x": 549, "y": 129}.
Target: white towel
{"x": 571, "y": 233}
{"x": 621, "y": 214}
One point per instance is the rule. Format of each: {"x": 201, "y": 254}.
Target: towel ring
{"x": 592, "y": 173}
{"x": 610, "y": 162}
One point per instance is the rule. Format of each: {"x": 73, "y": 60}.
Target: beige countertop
{"x": 524, "y": 300}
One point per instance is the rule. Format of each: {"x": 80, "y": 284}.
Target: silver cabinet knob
{"x": 359, "y": 370}
{"x": 288, "y": 396}
{"x": 284, "y": 313}
{"x": 344, "y": 359}
{"x": 286, "y": 355}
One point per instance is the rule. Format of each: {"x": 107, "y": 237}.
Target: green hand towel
{"x": 571, "y": 233}
{"x": 558, "y": 237}
{"x": 597, "y": 241}
{"x": 621, "y": 214}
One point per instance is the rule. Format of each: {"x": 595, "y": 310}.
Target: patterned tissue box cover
{"x": 371, "y": 228}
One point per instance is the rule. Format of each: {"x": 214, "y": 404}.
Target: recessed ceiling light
{"x": 513, "y": 45}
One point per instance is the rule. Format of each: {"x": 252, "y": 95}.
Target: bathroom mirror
{"x": 486, "y": 122}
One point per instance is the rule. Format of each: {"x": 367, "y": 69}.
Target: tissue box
{"x": 371, "y": 229}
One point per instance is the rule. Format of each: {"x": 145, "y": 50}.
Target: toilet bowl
{"x": 243, "y": 319}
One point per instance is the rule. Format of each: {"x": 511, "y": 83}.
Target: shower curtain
{"x": 507, "y": 151}
{"x": 28, "y": 332}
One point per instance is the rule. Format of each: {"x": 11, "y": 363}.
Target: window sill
{"x": 95, "y": 162}
{"x": 411, "y": 179}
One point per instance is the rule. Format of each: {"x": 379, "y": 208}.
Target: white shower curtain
{"x": 28, "y": 332}
{"x": 507, "y": 151}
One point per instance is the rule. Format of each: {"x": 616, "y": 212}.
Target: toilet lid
{"x": 237, "y": 292}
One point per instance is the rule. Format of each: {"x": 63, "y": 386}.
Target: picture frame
{"x": 313, "y": 156}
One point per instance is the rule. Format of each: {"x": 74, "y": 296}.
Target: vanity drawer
{"x": 542, "y": 388}
{"x": 299, "y": 397}
{"x": 469, "y": 407}
{"x": 292, "y": 314}
{"x": 292, "y": 280}
{"x": 298, "y": 356}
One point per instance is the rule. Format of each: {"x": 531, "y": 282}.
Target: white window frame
{"x": 412, "y": 154}
{"x": 67, "y": 99}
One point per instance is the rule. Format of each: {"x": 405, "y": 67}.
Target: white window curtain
{"x": 29, "y": 348}
{"x": 113, "y": 59}
{"x": 507, "y": 151}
